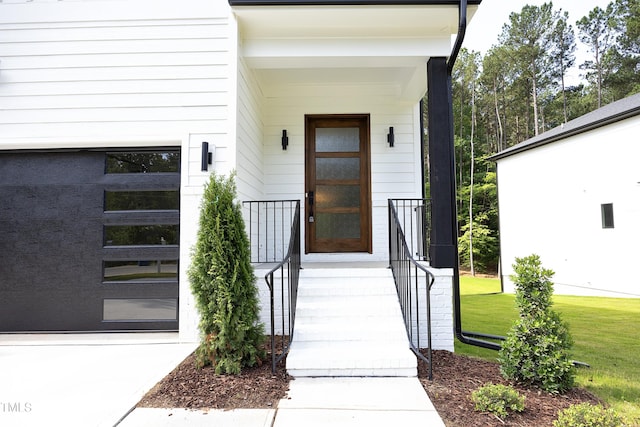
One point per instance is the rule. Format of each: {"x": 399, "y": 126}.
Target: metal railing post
{"x": 408, "y": 272}
{"x": 282, "y": 248}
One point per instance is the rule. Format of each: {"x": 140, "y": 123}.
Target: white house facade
{"x": 572, "y": 196}
{"x": 106, "y": 105}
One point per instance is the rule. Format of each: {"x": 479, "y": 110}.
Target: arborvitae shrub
{"x": 536, "y": 350}
{"x": 223, "y": 283}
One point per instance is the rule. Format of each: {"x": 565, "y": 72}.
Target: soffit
{"x": 347, "y": 21}
{"x": 374, "y": 50}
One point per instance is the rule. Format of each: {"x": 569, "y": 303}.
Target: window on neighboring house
{"x": 607, "y": 215}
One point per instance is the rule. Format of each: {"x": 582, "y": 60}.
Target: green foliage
{"x": 624, "y": 59}
{"x": 223, "y": 283}
{"x": 485, "y": 222}
{"x": 536, "y": 350}
{"x": 587, "y": 415}
{"x": 497, "y": 399}
{"x": 485, "y": 246}
{"x": 613, "y": 357}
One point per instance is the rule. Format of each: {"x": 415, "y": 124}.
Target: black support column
{"x": 442, "y": 175}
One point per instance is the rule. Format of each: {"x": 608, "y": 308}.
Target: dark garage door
{"x": 89, "y": 240}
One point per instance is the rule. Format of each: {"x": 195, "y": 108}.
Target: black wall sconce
{"x": 207, "y": 157}
{"x": 285, "y": 139}
{"x": 391, "y": 137}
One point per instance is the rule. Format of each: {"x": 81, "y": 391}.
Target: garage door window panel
{"x": 140, "y": 309}
{"x": 143, "y": 162}
{"x": 143, "y": 271}
{"x": 140, "y": 235}
{"x": 141, "y": 200}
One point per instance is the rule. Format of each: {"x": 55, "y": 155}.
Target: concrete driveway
{"x": 81, "y": 379}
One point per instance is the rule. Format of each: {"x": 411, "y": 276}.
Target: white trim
{"x": 77, "y": 142}
{"x": 233, "y": 90}
{"x": 99, "y": 10}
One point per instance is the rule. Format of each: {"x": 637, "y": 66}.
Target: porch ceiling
{"x": 338, "y": 50}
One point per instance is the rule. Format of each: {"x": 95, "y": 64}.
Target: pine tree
{"x": 595, "y": 32}
{"x": 223, "y": 283}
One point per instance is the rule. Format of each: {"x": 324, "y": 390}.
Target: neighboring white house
{"x": 105, "y": 105}
{"x": 572, "y": 196}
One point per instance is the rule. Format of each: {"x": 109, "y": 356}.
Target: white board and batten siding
{"x": 550, "y": 204}
{"x": 137, "y": 73}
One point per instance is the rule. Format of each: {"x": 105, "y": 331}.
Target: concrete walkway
{"x": 151, "y": 417}
{"x": 357, "y": 402}
{"x": 311, "y": 402}
{"x": 97, "y": 379}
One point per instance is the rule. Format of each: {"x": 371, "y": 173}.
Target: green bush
{"x": 497, "y": 399}
{"x": 588, "y": 415}
{"x": 223, "y": 283}
{"x": 536, "y": 351}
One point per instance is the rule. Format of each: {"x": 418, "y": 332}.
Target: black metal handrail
{"x": 276, "y": 238}
{"x": 414, "y": 217}
{"x": 409, "y": 274}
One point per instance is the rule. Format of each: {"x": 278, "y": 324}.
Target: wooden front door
{"x": 338, "y": 184}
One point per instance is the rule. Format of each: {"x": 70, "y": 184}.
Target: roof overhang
{"x": 378, "y": 48}
{"x": 615, "y": 112}
{"x": 346, "y": 2}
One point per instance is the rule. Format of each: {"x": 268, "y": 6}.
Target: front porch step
{"x": 350, "y": 359}
{"x": 357, "y": 306}
{"x": 354, "y": 331}
{"x": 348, "y": 323}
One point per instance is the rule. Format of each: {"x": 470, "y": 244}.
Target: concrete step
{"x": 346, "y": 287}
{"x": 348, "y": 330}
{"x": 357, "y": 307}
{"x": 345, "y": 272}
{"x": 346, "y": 359}
{"x": 349, "y": 323}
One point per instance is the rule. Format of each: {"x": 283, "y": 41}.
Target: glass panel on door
{"x": 337, "y": 140}
{"x": 338, "y": 184}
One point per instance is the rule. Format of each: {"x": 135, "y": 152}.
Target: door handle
{"x": 311, "y": 200}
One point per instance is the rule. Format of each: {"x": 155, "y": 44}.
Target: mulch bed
{"x": 188, "y": 386}
{"x": 455, "y": 377}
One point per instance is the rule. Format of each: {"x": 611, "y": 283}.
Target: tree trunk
{"x": 495, "y": 103}
{"x": 473, "y": 120}
{"x": 564, "y": 93}
{"x": 534, "y": 93}
{"x": 460, "y": 154}
{"x": 599, "y": 69}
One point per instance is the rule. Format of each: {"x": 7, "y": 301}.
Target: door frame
{"x": 365, "y": 243}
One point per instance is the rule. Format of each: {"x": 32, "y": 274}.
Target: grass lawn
{"x": 606, "y": 334}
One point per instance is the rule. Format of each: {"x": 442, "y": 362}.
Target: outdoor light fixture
{"x": 285, "y": 139}
{"x": 207, "y": 157}
{"x": 390, "y": 137}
